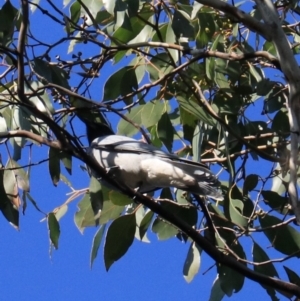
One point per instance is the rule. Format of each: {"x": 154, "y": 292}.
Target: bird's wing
{"x": 121, "y": 144}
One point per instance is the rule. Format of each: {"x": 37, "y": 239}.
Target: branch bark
{"x": 291, "y": 71}
{"x": 240, "y": 15}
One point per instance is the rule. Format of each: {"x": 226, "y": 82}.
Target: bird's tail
{"x": 205, "y": 182}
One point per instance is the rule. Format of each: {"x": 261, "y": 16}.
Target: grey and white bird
{"x": 141, "y": 166}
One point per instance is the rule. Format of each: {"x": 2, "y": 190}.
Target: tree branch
{"x": 290, "y": 69}
{"x": 240, "y": 15}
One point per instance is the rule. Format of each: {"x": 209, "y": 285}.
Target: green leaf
{"x": 187, "y": 214}
{"x": 3, "y": 125}
{"x": 275, "y": 100}
{"x": 230, "y": 280}
{"x": 50, "y": 73}
{"x": 96, "y": 197}
{"x": 21, "y": 175}
{"x": 280, "y": 123}
{"x": 120, "y": 236}
{"x": 194, "y": 109}
{"x": 8, "y": 15}
{"x": 159, "y": 66}
{"x": 181, "y": 25}
{"x": 54, "y": 229}
{"x": 197, "y": 142}
{"x": 96, "y": 244}
{"x": 145, "y": 223}
{"x": 236, "y": 208}
{"x": 143, "y": 36}
{"x": 165, "y": 131}
{"x": 7, "y": 206}
{"x": 216, "y": 293}
{"x": 275, "y": 201}
{"x": 20, "y": 120}
{"x": 54, "y": 165}
{"x": 210, "y": 62}
{"x": 41, "y": 101}
{"x": 109, "y": 212}
{"x": 259, "y": 255}
{"x": 135, "y": 115}
{"x": 79, "y": 39}
{"x": 264, "y": 87}
{"x": 270, "y": 48}
{"x": 207, "y": 29}
{"x": 293, "y": 276}
{"x": 61, "y": 212}
{"x": 133, "y": 7}
{"x": 119, "y": 199}
{"x": 192, "y": 262}
{"x": 152, "y": 112}
{"x": 182, "y": 197}
{"x": 84, "y": 217}
{"x": 75, "y": 13}
{"x": 250, "y": 183}
{"x": 154, "y": 138}
{"x": 121, "y": 83}
{"x": 9, "y": 181}
{"x": 163, "y": 230}
{"x": 103, "y": 17}
{"x": 256, "y": 73}
{"x": 131, "y": 30}
{"x": 33, "y": 7}
{"x": 33, "y": 202}
{"x": 284, "y": 239}
{"x": 66, "y": 159}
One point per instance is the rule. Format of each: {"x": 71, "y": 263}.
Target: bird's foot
{"x": 111, "y": 170}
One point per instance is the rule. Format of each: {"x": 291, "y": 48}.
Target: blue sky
{"x": 147, "y": 272}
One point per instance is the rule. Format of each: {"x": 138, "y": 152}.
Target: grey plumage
{"x": 147, "y": 168}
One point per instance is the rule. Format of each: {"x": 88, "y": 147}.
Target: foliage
{"x": 202, "y": 79}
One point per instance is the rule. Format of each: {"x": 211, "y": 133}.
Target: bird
{"x": 144, "y": 167}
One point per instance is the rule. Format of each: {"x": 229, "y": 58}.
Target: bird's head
{"x": 96, "y": 126}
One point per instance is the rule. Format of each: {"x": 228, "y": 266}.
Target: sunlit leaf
{"x": 61, "y": 212}
{"x": 192, "y": 262}
{"x": 96, "y": 244}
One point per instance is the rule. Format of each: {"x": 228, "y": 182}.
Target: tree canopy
{"x": 214, "y": 81}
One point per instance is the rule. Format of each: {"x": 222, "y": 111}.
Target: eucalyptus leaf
{"x": 54, "y": 165}
{"x": 285, "y": 239}
{"x": 192, "y": 262}
{"x": 119, "y": 237}
{"x": 96, "y": 244}
{"x": 54, "y": 229}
